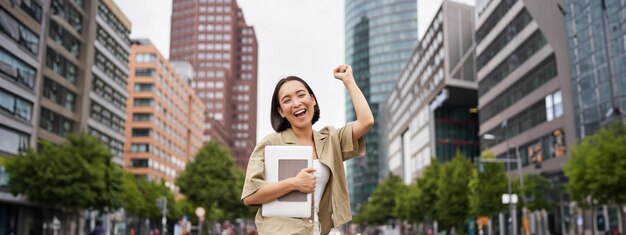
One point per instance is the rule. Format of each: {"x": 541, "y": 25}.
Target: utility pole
{"x": 162, "y": 204}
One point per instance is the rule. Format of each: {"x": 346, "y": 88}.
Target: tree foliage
{"x": 597, "y": 167}
{"x": 452, "y": 192}
{"x": 379, "y": 209}
{"x": 536, "y": 192}
{"x": 487, "y": 187}
{"x": 77, "y": 174}
{"x": 212, "y": 181}
{"x": 407, "y": 204}
{"x": 428, "y": 186}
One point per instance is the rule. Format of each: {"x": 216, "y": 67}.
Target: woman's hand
{"x": 304, "y": 181}
{"x": 343, "y": 72}
{"x": 364, "y": 117}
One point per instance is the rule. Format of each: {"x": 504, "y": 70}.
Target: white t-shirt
{"x": 322, "y": 175}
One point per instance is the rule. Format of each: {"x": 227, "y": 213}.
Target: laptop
{"x": 282, "y": 162}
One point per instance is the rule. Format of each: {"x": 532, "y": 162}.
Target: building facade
{"x": 431, "y": 111}
{"x": 85, "y": 73}
{"x": 213, "y": 36}
{"x": 380, "y": 36}
{"x": 525, "y": 96}
{"x": 598, "y": 60}
{"x": 63, "y": 69}
{"x": 165, "y": 123}
{"x": 22, "y": 35}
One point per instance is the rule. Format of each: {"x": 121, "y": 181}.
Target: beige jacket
{"x": 333, "y": 147}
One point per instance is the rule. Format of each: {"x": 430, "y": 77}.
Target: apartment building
{"x": 164, "y": 129}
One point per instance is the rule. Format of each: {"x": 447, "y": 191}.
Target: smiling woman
{"x": 294, "y": 110}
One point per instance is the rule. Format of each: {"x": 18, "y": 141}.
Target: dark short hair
{"x": 280, "y": 123}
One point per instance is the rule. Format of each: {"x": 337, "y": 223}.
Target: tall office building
{"x": 598, "y": 60}
{"x": 431, "y": 111}
{"x": 525, "y": 97}
{"x": 380, "y": 37}
{"x": 213, "y": 36}
{"x": 165, "y": 123}
{"x": 597, "y": 57}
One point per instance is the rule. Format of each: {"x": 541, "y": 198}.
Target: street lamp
{"x": 508, "y": 161}
{"x": 200, "y": 213}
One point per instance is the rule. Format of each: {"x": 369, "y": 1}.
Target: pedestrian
{"x": 98, "y": 230}
{"x": 294, "y": 110}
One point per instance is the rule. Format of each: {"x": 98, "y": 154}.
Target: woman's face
{"x": 296, "y": 104}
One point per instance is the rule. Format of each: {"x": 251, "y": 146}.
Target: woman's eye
{"x": 301, "y": 95}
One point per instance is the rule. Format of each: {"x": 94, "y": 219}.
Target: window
{"x": 64, "y": 38}
{"x": 13, "y": 142}
{"x": 535, "y": 42}
{"x": 54, "y": 122}
{"x": 142, "y": 132}
{"x": 106, "y": 117}
{"x": 17, "y": 69}
{"x": 140, "y": 148}
{"x": 145, "y": 58}
{"x": 108, "y": 93}
{"x": 142, "y": 117}
{"x": 142, "y": 102}
{"x": 138, "y": 163}
{"x": 56, "y": 93}
{"x": 108, "y": 68}
{"x": 111, "y": 45}
{"x": 33, "y": 9}
{"x": 144, "y": 72}
{"x": 105, "y": 13}
{"x": 491, "y": 21}
{"x": 116, "y": 146}
{"x": 554, "y": 105}
{"x": 61, "y": 65}
{"x": 20, "y": 33}
{"x": 143, "y": 86}
{"x": 67, "y": 12}
{"x": 15, "y": 105}
{"x": 536, "y": 77}
{"x": 518, "y": 24}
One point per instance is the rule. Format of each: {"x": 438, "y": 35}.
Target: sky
{"x": 295, "y": 37}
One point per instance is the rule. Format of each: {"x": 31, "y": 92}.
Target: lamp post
{"x": 200, "y": 213}
{"x": 512, "y": 206}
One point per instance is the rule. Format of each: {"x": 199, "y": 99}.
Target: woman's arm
{"x": 303, "y": 182}
{"x": 364, "y": 117}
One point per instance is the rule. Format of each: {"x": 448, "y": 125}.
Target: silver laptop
{"x": 282, "y": 162}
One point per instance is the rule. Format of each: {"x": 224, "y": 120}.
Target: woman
{"x": 294, "y": 110}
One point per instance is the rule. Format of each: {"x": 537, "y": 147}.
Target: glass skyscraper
{"x": 595, "y": 33}
{"x": 380, "y": 37}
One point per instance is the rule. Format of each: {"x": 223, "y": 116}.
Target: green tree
{"x": 379, "y": 209}
{"x": 597, "y": 168}
{"x": 132, "y": 199}
{"x": 536, "y": 192}
{"x": 487, "y": 187}
{"x": 407, "y": 207}
{"x": 211, "y": 181}
{"x": 428, "y": 186}
{"x": 452, "y": 193}
{"x": 150, "y": 192}
{"x": 78, "y": 174}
